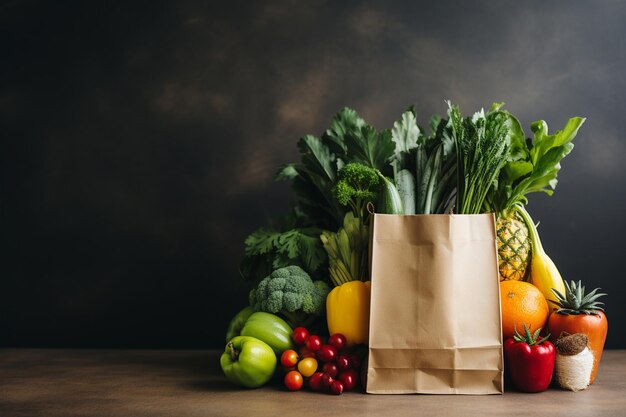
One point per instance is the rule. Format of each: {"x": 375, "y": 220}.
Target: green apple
{"x": 248, "y": 361}
{"x": 271, "y": 329}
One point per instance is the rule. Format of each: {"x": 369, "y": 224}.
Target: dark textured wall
{"x": 139, "y": 141}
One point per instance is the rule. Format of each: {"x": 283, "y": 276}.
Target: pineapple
{"x": 532, "y": 166}
{"x": 514, "y": 246}
{"x": 575, "y": 301}
{"x": 580, "y": 312}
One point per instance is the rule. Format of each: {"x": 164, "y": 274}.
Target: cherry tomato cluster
{"x": 339, "y": 369}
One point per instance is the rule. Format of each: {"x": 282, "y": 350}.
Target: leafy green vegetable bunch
{"x": 424, "y": 166}
{"x": 482, "y": 146}
{"x": 323, "y": 195}
{"x": 476, "y": 164}
{"x": 532, "y": 165}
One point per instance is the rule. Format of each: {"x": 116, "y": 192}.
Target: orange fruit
{"x": 522, "y": 303}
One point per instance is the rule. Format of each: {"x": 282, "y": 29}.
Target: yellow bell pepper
{"x": 348, "y": 311}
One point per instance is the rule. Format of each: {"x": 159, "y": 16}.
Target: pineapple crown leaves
{"x": 575, "y": 301}
{"x": 528, "y": 338}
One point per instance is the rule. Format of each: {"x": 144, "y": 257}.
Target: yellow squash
{"x": 348, "y": 311}
{"x": 543, "y": 272}
{"x": 545, "y": 276}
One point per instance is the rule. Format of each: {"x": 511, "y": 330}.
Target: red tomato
{"x": 299, "y": 335}
{"x": 293, "y": 381}
{"x": 313, "y": 343}
{"x": 338, "y": 341}
{"x": 336, "y": 387}
{"x": 289, "y": 358}
{"x": 349, "y": 379}
{"x": 327, "y": 380}
{"x": 315, "y": 382}
{"x": 343, "y": 362}
{"x": 327, "y": 353}
{"x": 331, "y": 369}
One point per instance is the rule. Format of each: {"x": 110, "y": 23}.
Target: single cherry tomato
{"x": 293, "y": 381}
{"x": 343, "y": 362}
{"x": 327, "y": 380}
{"x": 313, "y": 343}
{"x": 349, "y": 379}
{"x": 327, "y": 353}
{"x": 299, "y": 335}
{"x": 315, "y": 382}
{"x": 338, "y": 341}
{"x": 336, "y": 387}
{"x": 289, "y": 358}
{"x": 331, "y": 369}
{"x": 307, "y": 367}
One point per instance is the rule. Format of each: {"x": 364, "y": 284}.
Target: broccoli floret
{"x": 290, "y": 292}
{"x": 358, "y": 184}
{"x": 311, "y": 301}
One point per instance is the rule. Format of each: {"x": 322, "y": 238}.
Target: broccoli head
{"x": 291, "y": 292}
{"x": 358, "y": 184}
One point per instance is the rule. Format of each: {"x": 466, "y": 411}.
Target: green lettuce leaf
{"x": 369, "y": 147}
{"x": 317, "y": 158}
{"x": 543, "y": 142}
{"x": 268, "y": 249}
{"x": 346, "y": 120}
{"x": 535, "y": 167}
{"x": 405, "y": 134}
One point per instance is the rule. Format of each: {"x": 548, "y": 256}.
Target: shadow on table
{"x": 220, "y": 384}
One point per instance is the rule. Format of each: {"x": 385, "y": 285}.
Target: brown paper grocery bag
{"x": 435, "y": 307}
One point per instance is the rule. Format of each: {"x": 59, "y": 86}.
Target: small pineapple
{"x": 578, "y": 312}
{"x": 514, "y": 246}
{"x": 575, "y": 301}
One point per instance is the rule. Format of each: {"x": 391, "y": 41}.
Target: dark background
{"x": 139, "y": 141}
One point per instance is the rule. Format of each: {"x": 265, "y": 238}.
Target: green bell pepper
{"x": 271, "y": 329}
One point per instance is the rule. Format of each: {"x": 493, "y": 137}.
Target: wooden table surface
{"x": 37, "y": 382}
